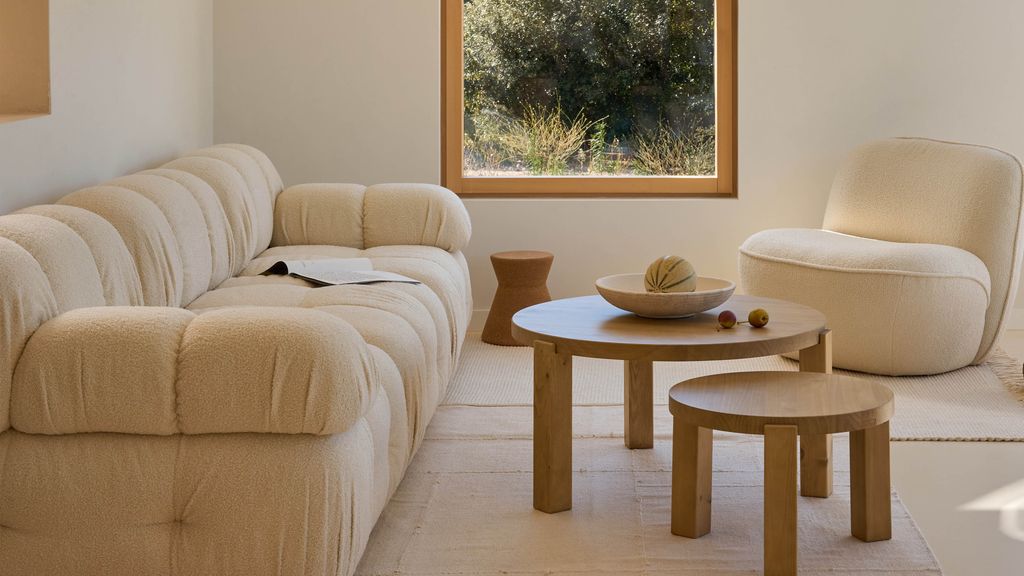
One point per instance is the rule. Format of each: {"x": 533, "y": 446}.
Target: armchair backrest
{"x": 934, "y": 192}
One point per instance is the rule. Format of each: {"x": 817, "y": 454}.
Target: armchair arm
{"x": 365, "y": 217}
{"x": 150, "y": 370}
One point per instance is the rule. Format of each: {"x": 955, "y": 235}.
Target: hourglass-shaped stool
{"x": 522, "y": 282}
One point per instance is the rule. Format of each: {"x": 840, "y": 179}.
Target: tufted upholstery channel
{"x": 165, "y": 409}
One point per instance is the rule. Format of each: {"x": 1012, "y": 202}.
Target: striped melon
{"x": 670, "y": 274}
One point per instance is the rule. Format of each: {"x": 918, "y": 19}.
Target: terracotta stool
{"x": 522, "y": 282}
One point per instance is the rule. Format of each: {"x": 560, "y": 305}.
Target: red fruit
{"x": 727, "y": 319}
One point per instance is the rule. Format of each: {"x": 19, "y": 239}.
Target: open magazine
{"x": 336, "y": 271}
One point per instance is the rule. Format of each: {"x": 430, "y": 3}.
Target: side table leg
{"x": 870, "y": 500}
{"x": 816, "y": 449}
{"x": 780, "y": 539}
{"x": 691, "y": 479}
{"x": 639, "y": 408}
{"x": 552, "y": 428}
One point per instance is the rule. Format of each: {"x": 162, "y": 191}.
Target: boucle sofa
{"x": 918, "y": 259}
{"x": 164, "y": 409}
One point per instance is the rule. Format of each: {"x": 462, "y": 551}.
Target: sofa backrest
{"x": 928, "y": 191}
{"x": 160, "y": 237}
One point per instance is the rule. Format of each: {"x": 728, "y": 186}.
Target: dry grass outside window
{"x": 544, "y": 142}
{"x": 664, "y": 151}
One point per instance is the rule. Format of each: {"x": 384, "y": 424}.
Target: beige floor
{"x": 936, "y": 479}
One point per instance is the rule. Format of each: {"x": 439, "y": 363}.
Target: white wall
{"x": 331, "y": 89}
{"x": 349, "y": 91}
{"x": 132, "y": 86}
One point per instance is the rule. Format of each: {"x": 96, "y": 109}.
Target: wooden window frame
{"x": 721, "y": 185}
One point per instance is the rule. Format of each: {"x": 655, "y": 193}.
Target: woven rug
{"x": 465, "y": 508}
{"x": 977, "y": 403}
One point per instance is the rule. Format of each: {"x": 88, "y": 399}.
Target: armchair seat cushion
{"x": 895, "y": 308}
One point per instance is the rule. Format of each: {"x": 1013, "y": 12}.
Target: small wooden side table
{"x": 522, "y": 282}
{"x": 781, "y": 406}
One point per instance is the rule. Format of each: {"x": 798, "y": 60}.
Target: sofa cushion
{"x": 269, "y": 370}
{"x": 445, "y": 290}
{"x": 65, "y": 258}
{"x": 419, "y": 327}
{"x": 121, "y": 285}
{"x": 276, "y": 370}
{"x": 147, "y": 235}
{"x": 365, "y": 217}
{"x": 274, "y": 182}
{"x": 108, "y": 369}
{"x": 320, "y": 214}
{"x": 185, "y": 216}
{"x": 408, "y": 214}
{"x": 256, "y": 188}
{"x": 931, "y": 298}
{"x": 235, "y": 199}
{"x": 26, "y": 304}
{"x": 246, "y": 185}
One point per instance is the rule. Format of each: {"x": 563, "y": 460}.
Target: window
{"x": 589, "y": 97}
{"x": 24, "y": 59}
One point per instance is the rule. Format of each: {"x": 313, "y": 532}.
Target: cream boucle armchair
{"x": 164, "y": 409}
{"x": 917, "y": 264}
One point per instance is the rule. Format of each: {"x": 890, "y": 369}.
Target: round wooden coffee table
{"x": 589, "y": 326}
{"x": 781, "y": 406}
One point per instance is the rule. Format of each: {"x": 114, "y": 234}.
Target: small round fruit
{"x": 670, "y": 274}
{"x": 758, "y": 318}
{"x": 727, "y": 319}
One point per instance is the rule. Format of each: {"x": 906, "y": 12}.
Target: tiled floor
{"x": 937, "y": 479}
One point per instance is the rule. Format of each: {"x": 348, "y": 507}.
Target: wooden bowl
{"x": 626, "y": 291}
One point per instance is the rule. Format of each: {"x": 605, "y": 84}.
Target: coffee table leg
{"x": 816, "y": 449}
{"x": 691, "y": 479}
{"x": 639, "y": 408}
{"x": 552, "y": 428}
{"x": 780, "y": 542}
{"x": 870, "y": 501}
{"x": 816, "y": 465}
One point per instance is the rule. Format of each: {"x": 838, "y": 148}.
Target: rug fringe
{"x": 1008, "y": 370}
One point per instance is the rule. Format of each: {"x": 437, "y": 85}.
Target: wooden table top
{"x": 590, "y": 326}
{"x": 747, "y": 401}
{"x": 522, "y": 255}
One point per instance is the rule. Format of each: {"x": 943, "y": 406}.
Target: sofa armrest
{"x": 150, "y": 370}
{"x": 366, "y": 217}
